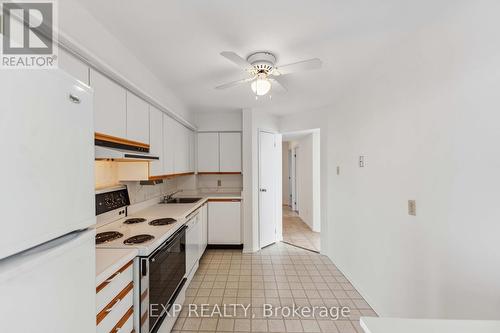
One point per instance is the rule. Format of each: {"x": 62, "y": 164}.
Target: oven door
{"x": 167, "y": 267}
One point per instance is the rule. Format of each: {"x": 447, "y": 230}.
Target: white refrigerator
{"x": 47, "y": 251}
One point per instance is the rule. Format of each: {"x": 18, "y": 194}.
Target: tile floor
{"x": 296, "y": 232}
{"x": 279, "y": 275}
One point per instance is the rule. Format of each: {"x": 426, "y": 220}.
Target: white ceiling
{"x": 181, "y": 40}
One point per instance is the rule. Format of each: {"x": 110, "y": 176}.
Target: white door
{"x": 156, "y": 141}
{"x": 290, "y": 185}
{"x": 204, "y": 228}
{"x": 57, "y": 279}
{"x": 208, "y": 152}
{"x": 181, "y": 149}
{"x": 193, "y": 234}
{"x": 295, "y": 187}
{"x": 137, "y": 119}
{"x": 47, "y": 142}
{"x": 230, "y": 152}
{"x": 110, "y": 106}
{"x": 267, "y": 189}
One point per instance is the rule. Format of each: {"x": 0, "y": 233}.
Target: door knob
{"x": 263, "y": 190}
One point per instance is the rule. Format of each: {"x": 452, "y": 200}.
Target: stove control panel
{"x": 108, "y": 201}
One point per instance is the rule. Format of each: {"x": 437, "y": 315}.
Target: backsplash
{"x": 211, "y": 182}
{"x": 139, "y": 193}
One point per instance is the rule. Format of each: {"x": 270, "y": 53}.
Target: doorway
{"x": 301, "y": 193}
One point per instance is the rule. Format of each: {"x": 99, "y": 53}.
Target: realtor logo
{"x": 28, "y": 36}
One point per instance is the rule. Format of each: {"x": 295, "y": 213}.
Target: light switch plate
{"x": 363, "y": 161}
{"x": 412, "y": 207}
{"x": 338, "y": 170}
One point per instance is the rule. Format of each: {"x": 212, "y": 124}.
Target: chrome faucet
{"x": 170, "y": 196}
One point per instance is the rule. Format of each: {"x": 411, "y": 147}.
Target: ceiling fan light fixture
{"x": 261, "y": 86}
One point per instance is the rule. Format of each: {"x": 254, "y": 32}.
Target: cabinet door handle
{"x": 75, "y": 99}
{"x": 114, "y": 305}
{"x": 263, "y": 190}
{"x": 113, "y": 277}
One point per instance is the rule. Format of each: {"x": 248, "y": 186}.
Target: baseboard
{"x": 358, "y": 289}
{"x": 225, "y": 246}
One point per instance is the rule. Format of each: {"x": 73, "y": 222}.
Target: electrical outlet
{"x": 412, "y": 207}
{"x": 338, "y": 170}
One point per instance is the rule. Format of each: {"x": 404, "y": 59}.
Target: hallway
{"x": 296, "y": 232}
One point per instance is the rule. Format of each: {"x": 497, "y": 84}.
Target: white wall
{"x": 219, "y": 121}
{"x": 79, "y": 26}
{"x": 426, "y": 114}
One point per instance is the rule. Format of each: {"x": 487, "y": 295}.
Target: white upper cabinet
{"x": 181, "y": 148}
{"x": 230, "y": 152}
{"x": 137, "y": 119}
{"x": 191, "y": 151}
{"x": 73, "y": 66}
{"x": 156, "y": 141}
{"x": 208, "y": 152}
{"x": 110, "y": 109}
{"x": 169, "y": 143}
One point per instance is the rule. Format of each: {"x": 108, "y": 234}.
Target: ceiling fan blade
{"x": 300, "y": 66}
{"x": 234, "y": 83}
{"x": 279, "y": 83}
{"x": 237, "y": 60}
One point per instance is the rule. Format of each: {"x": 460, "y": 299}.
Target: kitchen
{"x": 142, "y": 164}
{"x": 147, "y": 247}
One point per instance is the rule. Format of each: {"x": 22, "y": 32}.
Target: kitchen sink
{"x": 182, "y": 200}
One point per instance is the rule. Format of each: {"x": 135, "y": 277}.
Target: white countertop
{"x": 108, "y": 261}
{"x": 397, "y": 325}
{"x": 178, "y": 212}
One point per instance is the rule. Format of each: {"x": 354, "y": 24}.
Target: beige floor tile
{"x": 276, "y": 325}
{"x": 242, "y": 325}
{"x": 225, "y": 325}
{"x": 296, "y": 232}
{"x": 281, "y": 275}
{"x": 208, "y": 324}
{"x": 259, "y": 325}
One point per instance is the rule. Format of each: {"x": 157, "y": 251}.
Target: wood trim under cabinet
{"x": 219, "y": 173}
{"x": 224, "y": 200}
{"x": 173, "y": 175}
{"x": 108, "y": 280}
{"x": 104, "y": 312}
{"x": 114, "y": 139}
{"x": 123, "y": 320}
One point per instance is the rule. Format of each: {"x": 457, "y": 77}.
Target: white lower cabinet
{"x": 114, "y": 302}
{"x": 204, "y": 228}
{"x": 193, "y": 241}
{"x": 224, "y": 222}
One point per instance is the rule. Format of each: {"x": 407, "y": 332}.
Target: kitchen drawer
{"x": 111, "y": 316}
{"x": 108, "y": 290}
{"x": 126, "y": 324}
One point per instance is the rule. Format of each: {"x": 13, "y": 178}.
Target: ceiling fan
{"x": 263, "y": 72}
